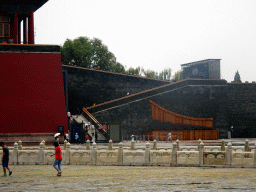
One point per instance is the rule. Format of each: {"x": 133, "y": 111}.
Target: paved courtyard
{"x": 128, "y": 178}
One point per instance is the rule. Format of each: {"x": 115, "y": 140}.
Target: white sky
{"x": 155, "y": 34}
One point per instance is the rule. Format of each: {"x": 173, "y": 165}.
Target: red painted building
{"x": 32, "y": 99}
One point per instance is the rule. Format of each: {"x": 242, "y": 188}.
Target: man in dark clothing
{"x": 5, "y": 159}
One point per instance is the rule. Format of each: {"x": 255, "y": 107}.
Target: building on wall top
{"x": 204, "y": 69}
{"x": 12, "y": 13}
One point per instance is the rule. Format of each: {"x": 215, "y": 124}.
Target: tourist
{"x": 170, "y": 136}
{"x": 76, "y": 138}
{"x": 67, "y": 136}
{"x": 5, "y": 159}
{"x": 58, "y": 158}
{"x": 86, "y": 137}
{"x": 69, "y": 115}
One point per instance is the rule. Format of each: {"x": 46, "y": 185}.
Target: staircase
{"x": 103, "y": 135}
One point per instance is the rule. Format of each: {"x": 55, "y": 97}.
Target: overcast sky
{"x": 156, "y": 34}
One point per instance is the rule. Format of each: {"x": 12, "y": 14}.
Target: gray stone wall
{"x": 229, "y": 104}
{"x": 86, "y": 87}
{"x": 242, "y": 109}
{"x": 199, "y": 99}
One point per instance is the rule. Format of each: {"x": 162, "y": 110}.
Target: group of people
{"x": 56, "y": 163}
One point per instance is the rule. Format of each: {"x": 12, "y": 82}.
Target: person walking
{"x": 76, "y": 138}
{"x": 5, "y": 159}
{"x": 58, "y": 158}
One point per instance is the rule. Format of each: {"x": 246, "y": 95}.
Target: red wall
{"x": 31, "y": 93}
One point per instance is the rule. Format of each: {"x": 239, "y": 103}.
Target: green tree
{"x": 90, "y": 53}
{"x": 177, "y": 76}
{"x": 102, "y": 58}
{"x": 165, "y": 74}
{"x": 149, "y": 73}
{"x": 237, "y": 78}
{"x": 77, "y": 52}
{"x": 132, "y": 71}
{"x": 118, "y": 68}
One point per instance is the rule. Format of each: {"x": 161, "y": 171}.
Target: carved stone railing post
{"x": 174, "y": 153}
{"x": 132, "y": 145}
{"x": 67, "y": 153}
{"x": 246, "y": 146}
{"x": 20, "y": 145}
{"x": 65, "y": 145}
{"x": 223, "y": 148}
{"x": 87, "y": 147}
{"x": 110, "y": 145}
{"x": 40, "y": 159}
{"x": 43, "y": 143}
{"x": 229, "y": 154}
{"x": 201, "y": 154}
{"x": 94, "y": 153}
{"x": 120, "y": 153}
{"x": 178, "y": 144}
{"x": 199, "y": 141}
{"x": 154, "y": 145}
{"x": 15, "y": 154}
{"x": 147, "y": 154}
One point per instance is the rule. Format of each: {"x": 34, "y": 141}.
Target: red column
{"x": 25, "y": 31}
{"x": 31, "y": 28}
{"x": 19, "y": 32}
{"x": 15, "y": 27}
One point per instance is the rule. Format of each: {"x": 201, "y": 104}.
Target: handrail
{"x": 92, "y": 117}
{"x": 154, "y": 90}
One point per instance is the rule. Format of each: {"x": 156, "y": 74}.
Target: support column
{"x": 31, "y": 28}
{"x": 25, "y": 31}
{"x": 19, "y": 32}
{"x": 15, "y": 27}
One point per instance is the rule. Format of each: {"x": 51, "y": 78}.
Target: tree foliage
{"x": 92, "y": 53}
{"x": 237, "y": 78}
{"x": 177, "y": 76}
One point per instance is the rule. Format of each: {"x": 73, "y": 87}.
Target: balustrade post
{"x": 15, "y": 154}
{"x": 40, "y": 159}
{"x": 120, "y": 153}
{"x": 199, "y": 141}
{"x": 110, "y": 145}
{"x": 201, "y": 154}
{"x": 147, "y": 154}
{"x": 132, "y": 145}
{"x": 44, "y": 144}
{"x": 246, "y": 146}
{"x": 154, "y": 145}
{"x": 174, "y": 153}
{"x": 87, "y": 147}
{"x": 67, "y": 153}
{"x": 229, "y": 154}
{"x": 223, "y": 148}
{"x": 65, "y": 145}
{"x": 178, "y": 144}
{"x": 94, "y": 153}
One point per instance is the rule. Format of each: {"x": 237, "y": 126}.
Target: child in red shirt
{"x": 58, "y": 158}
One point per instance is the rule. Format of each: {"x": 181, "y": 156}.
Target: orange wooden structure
{"x": 163, "y": 115}
{"x": 183, "y": 135}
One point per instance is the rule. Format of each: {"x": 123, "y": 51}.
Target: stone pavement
{"x": 128, "y": 178}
